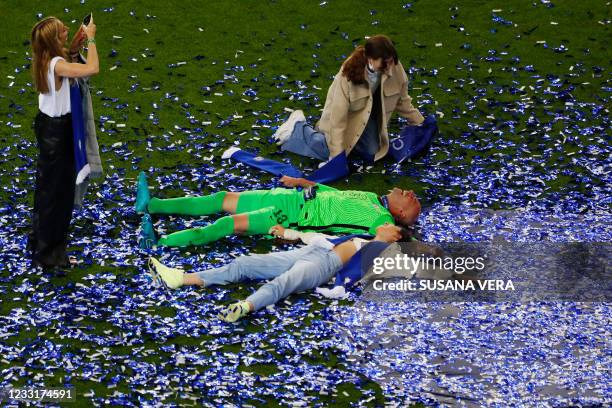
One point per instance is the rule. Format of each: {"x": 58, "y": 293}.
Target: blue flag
{"x": 268, "y": 165}
{"x": 413, "y": 140}
{"x": 78, "y": 132}
{"x": 332, "y": 170}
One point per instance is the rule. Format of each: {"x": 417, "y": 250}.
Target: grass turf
{"x": 286, "y": 52}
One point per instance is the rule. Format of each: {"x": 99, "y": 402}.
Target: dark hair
{"x": 379, "y": 46}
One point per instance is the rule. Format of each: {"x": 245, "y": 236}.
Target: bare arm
{"x": 296, "y": 182}
{"x": 75, "y": 70}
{"x": 388, "y": 233}
{"x": 76, "y": 44}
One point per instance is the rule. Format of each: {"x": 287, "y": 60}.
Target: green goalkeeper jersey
{"x": 343, "y": 211}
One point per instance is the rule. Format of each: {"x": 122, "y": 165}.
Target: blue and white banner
{"x": 413, "y": 140}
{"x": 333, "y": 170}
{"x": 78, "y": 131}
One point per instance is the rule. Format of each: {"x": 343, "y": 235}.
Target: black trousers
{"x": 54, "y": 190}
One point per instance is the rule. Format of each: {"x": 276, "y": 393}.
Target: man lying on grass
{"x": 290, "y": 271}
{"x": 308, "y": 206}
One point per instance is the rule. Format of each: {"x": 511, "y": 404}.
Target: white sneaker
{"x": 171, "y": 278}
{"x": 235, "y": 311}
{"x": 284, "y": 131}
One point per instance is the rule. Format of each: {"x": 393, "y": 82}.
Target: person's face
{"x": 376, "y": 64}
{"x": 380, "y": 64}
{"x": 63, "y": 32}
{"x": 404, "y": 205}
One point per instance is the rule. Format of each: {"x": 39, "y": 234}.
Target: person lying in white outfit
{"x": 291, "y": 271}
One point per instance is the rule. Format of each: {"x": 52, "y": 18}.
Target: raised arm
{"x": 76, "y": 70}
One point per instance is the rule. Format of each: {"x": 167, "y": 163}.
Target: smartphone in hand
{"x": 87, "y": 19}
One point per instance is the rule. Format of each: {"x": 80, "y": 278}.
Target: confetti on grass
{"x": 522, "y": 156}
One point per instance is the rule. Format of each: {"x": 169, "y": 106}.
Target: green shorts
{"x": 282, "y": 203}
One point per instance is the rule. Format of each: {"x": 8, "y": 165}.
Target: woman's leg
{"x": 255, "y": 266}
{"x": 54, "y": 191}
{"x": 306, "y": 141}
{"x": 314, "y": 269}
{"x": 251, "y": 223}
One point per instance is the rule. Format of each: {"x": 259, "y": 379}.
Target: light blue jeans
{"x": 307, "y": 141}
{"x": 291, "y": 271}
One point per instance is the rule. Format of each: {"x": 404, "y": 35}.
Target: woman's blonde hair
{"x": 46, "y": 44}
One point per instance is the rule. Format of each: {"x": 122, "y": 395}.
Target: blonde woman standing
{"x": 55, "y": 169}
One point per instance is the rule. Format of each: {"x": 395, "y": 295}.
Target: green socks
{"x": 204, "y": 205}
{"x": 199, "y": 236}
{"x": 260, "y": 222}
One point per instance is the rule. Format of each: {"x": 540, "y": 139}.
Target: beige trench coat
{"x": 348, "y": 106}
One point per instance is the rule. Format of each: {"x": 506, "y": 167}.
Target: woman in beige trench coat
{"x": 370, "y": 86}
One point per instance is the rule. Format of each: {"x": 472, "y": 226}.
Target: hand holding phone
{"x": 87, "y": 19}
{"x": 89, "y": 26}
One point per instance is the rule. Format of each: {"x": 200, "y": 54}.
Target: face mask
{"x": 370, "y": 67}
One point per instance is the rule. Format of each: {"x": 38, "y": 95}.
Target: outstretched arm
{"x": 296, "y": 182}
{"x": 304, "y": 183}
